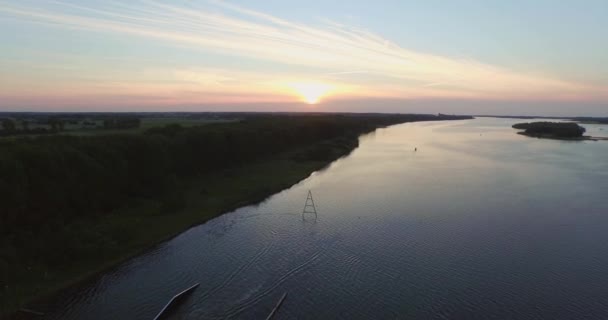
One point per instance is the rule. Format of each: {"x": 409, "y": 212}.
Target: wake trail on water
{"x": 239, "y": 270}
{"x": 256, "y": 298}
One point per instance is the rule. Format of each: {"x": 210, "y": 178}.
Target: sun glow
{"x": 311, "y": 92}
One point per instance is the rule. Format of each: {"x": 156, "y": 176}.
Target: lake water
{"x": 479, "y": 223}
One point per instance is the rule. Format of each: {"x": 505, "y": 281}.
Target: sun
{"x": 311, "y": 92}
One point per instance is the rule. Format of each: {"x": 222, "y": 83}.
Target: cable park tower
{"x": 309, "y": 206}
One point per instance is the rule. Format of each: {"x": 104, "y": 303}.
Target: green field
{"x": 146, "y": 124}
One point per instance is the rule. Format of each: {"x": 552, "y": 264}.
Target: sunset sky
{"x": 483, "y": 57}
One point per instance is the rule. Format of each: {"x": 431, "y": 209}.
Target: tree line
{"x": 554, "y": 129}
{"x": 57, "y": 124}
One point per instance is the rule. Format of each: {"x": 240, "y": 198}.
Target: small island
{"x": 552, "y": 130}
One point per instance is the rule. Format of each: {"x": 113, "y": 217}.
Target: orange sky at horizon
{"x": 91, "y": 55}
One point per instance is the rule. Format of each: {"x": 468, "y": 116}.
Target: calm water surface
{"x": 479, "y": 223}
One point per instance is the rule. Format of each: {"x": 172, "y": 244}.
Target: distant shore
{"x": 582, "y": 138}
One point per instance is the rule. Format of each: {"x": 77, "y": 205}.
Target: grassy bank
{"x": 144, "y": 189}
{"x": 143, "y": 226}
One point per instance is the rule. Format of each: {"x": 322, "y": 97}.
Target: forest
{"x": 57, "y": 190}
{"x": 551, "y": 129}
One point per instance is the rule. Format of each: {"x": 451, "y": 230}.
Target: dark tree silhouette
{"x": 551, "y": 129}
{"x": 25, "y": 125}
{"x": 8, "y": 125}
{"x": 56, "y": 124}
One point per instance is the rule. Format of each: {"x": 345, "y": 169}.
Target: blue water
{"x": 479, "y": 223}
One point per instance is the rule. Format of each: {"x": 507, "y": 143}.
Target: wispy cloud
{"x": 353, "y": 58}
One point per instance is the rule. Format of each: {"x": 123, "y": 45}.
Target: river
{"x": 478, "y": 223}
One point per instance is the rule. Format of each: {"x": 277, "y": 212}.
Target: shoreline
{"x": 553, "y": 137}
{"x": 285, "y": 170}
{"x": 44, "y": 301}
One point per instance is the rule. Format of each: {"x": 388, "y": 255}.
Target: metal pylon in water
{"x": 309, "y": 206}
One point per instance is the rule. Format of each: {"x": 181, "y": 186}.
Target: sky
{"x": 524, "y": 57}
